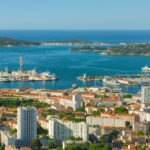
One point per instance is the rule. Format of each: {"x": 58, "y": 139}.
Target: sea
{"x": 69, "y": 65}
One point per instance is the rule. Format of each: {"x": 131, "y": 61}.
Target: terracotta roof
{"x": 56, "y": 91}
{"x": 67, "y": 109}
{"x": 44, "y": 120}
{"x": 25, "y": 148}
{"x": 10, "y": 122}
{"x": 112, "y": 127}
{"x": 7, "y": 92}
{"x": 109, "y": 99}
{"x": 56, "y": 105}
{"x": 24, "y": 88}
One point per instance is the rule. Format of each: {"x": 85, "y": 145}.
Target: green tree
{"x": 35, "y": 144}
{"x": 74, "y": 147}
{"x": 107, "y": 147}
{"x": 114, "y": 133}
{"x": 139, "y": 147}
{"x": 51, "y": 145}
{"x": 74, "y": 138}
{"x": 140, "y": 133}
{"x": 3, "y": 119}
{"x": 59, "y": 148}
{"x": 98, "y": 112}
{"x": 121, "y": 110}
{"x": 13, "y": 131}
{"x": 1, "y": 146}
{"x": 96, "y": 146}
{"x": 40, "y": 130}
{"x": 127, "y": 96}
{"x": 45, "y": 136}
{"x": 103, "y": 140}
{"x": 127, "y": 123}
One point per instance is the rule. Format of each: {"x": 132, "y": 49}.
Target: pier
{"x": 129, "y": 80}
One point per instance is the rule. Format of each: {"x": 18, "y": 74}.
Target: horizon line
{"x": 74, "y": 29}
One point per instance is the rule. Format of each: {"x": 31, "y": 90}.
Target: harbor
{"x": 20, "y": 75}
{"x": 119, "y": 80}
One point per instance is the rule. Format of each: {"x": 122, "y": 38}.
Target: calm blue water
{"x": 68, "y": 65}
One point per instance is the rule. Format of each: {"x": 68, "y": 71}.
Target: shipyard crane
{"x": 20, "y": 62}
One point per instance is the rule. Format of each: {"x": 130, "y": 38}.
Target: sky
{"x": 74, "y": 14}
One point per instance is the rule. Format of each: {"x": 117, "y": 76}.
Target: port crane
{"x": 20, "y": 62}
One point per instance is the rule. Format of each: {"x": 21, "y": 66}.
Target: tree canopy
{"x": 35, "y": 144}
{"x": 121, "y": 110}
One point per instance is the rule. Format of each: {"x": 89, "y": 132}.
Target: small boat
{"x": 111, "y": 81}
{"x": 116, "y": 90}
{"x": 74, "y": 86}
{"x": 146, "y": 69}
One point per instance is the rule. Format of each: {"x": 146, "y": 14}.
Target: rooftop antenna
{"x": 20, "y": 62}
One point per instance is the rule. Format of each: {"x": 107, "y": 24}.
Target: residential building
{"x": 7, "y": 138}
{"x": 105, "y": 121}
{"x": 62, "y": 129}
{"x": 73, "y": 102}
{"x": 141, "y": 126}
{"x": 145, "y": 94}
{"x": 27, "y": 125}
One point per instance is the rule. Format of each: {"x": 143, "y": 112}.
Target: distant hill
{"x": 131, "y": 49}
{"x": 70, "y": 41}
{"x": 14, "y": 42}
{"x": 88, "y": 48}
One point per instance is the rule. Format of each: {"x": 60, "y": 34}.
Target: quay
{"x": 129, "y": 80}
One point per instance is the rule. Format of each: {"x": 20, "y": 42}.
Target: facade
{"x": 132, "y": 118}
{"x": 61, "y": 130}
{"x": 145, "y": 94}
{"x": 107, "y": 130}
{"x": 141, "y": 126}
{"x": 69, "y": 143}
{"x": 105, "y": 121}
{"x": 74, "y": 103}
{"x": 43, "y": 123}
{"x": 7, "y": 138}
{"x": 27, "y": 125}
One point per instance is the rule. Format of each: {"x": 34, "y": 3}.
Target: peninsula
{"x": 120, "y": 49}
{"x": 131, "y": 49}
{"x": 88, "y": 48}
{"x": 7, "y": 42}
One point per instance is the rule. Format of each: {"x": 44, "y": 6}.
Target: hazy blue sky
{"x": 75, "y": 14}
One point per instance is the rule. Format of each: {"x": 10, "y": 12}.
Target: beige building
{"x": 62, "y": 129}
{"x": 105, "y": 121}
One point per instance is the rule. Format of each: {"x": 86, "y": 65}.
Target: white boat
{"x": 146, "y": 69}
{"x": 111, "y": 81}
{"x": 116, "y": 90}
{"x": 74, "y": 86}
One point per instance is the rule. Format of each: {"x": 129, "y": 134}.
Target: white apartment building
{"x": 74, "y": 103}
{"x": 61, "y": 130}
{"x": 145, "y": 94}
{"x": 105, "y": 121}
{"x": 7, "y": 138}
{"x": 27, "y": 125}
